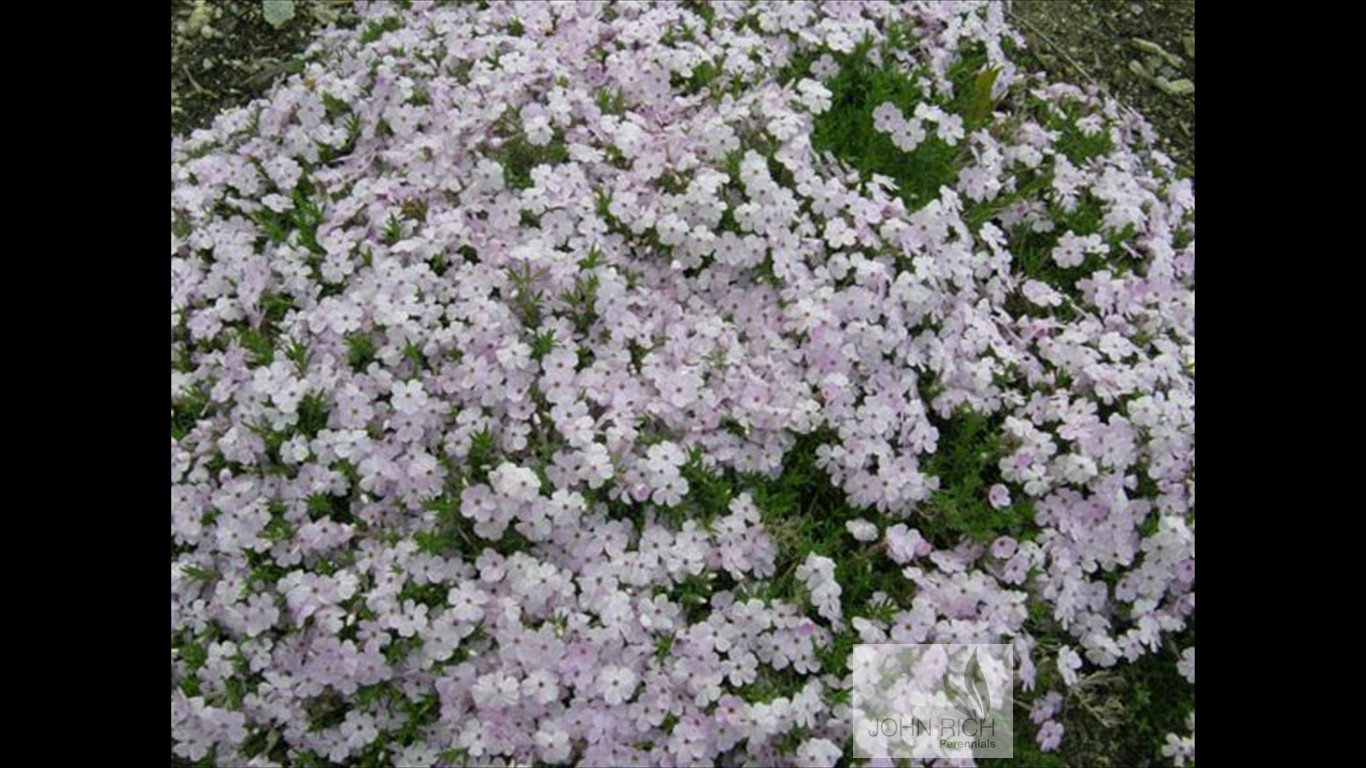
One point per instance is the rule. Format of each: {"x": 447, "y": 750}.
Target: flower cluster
{"x": 907, "y": 134}
{"x": 490, "y": 326}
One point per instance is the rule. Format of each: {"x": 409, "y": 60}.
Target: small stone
{"x": 1189, "y": 43}
{"x": 277, "y": 12}
{"x": 324, "y": 13}
{"x": 199, "y": 16}
{"x": 1181, "y": 87}
{"x": 1149, "y": 47}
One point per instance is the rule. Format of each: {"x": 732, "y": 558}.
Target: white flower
{"x": 1068, "y": 664}
{"x": 409, "y": 397}
{"x": 862, "y": 530}
{"x": 1040, "y": 294}
{"x": 1186, "y": 665}
{"x": 814, "y": 96}
{"x": 514, "y": 482}
{"x": 819, "y": 753}
{"x": 616, "y": 684}
{"x": 672, "y": 229}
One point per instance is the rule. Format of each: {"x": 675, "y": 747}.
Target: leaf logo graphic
{"x": 972, "y": 699}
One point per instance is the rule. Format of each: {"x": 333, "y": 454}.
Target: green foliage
{"x": 360, "y": 351}
{"x": 542, "y": 344}
{"x": 376, "y": 29}
{"x": 1121, "y": 717}
{"x": 312, "y": 415}
{"x": 611, "y": 102}
{"x": 483, "y": 455}
{"x": 258, "y": 344}
{"x": 335, "y": 508}
{"x": 190, "y": 407}
{"x": 527, "y": 296}
{"x": 982, "y": 85}
{"x": 393, "y": 230}
{"x": 966, "y": 464}
{"x": 846, "y": 129}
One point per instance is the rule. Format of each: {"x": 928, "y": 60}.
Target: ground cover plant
{"x": 578, "y": 383}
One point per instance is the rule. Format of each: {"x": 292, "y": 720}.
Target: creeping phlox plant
{"x": 577, "y": 383}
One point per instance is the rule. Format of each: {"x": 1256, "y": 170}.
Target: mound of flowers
{"x": 578, "y": 383}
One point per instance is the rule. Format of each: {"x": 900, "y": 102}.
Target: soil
{"x": 225, "y": 54}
